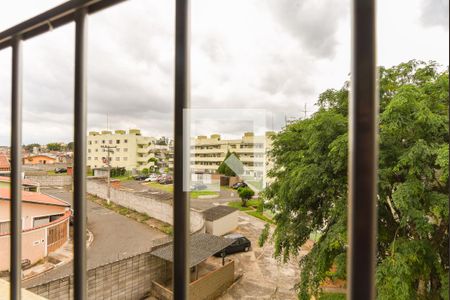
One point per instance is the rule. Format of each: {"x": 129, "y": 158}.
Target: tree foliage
{"x": 245, "y": 193}
{"x": 224, "y": 169}
{"x": 54, "y": 147}
{"x": 309, "y": 191}
{"x": 30, "y": 147}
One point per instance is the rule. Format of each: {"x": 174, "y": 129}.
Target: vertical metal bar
{"x": 363, "y": 154}
{"x": 181, "y": 200}
{"x": 79, "y": 170}
{"x": 16, "y": 171}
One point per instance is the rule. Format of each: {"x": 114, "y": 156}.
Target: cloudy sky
{"x": 270, "y": 57}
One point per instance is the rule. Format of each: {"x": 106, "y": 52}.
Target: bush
{"x": 245, "y": 193}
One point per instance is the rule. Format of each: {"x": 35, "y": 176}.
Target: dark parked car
{"x": 240, "y": 244}
{"x": 60, "y": 170}
{"x": 238, "y": 185}
{"x": 140, "y": 177}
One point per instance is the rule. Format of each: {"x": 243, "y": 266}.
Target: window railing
{"x": 363, "y": 144}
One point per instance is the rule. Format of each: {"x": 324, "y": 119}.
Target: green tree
{"x": 30, "y": 147}
{"x": 70, "y": 146}
{"x": 245, "y": 193}
{"x": 224, "y": 169}
{"x": 309, "y": 191}
{"x": 54, "y": 147}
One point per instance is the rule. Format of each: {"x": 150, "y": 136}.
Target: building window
{"x": 110, "y": 141}
{"x": 95, "y": 142}
{"x": 103, "y": 141}
{"x": 95, "y": 158}
{"x": 89, "y": 158}
{"x": 117, "y": 141}
{"x": 5, "y": 227}
{"x": 96, "y": 150}
{"x": 125, "y": 158}
{"x": 117, "y": 158}
{"x": 125, "y": 149}
{"x": 89, "y": 150}
{"x": 125, "y": 141}
{"x": 117, "y": 149}
{"x": 90, "y": 142}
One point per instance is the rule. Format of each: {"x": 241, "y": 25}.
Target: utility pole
{"x": 109, "y": 149}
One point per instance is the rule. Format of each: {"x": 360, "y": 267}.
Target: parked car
{"x": 152, "y": 178}
{"x": 140, "y": 177}
{"x": 238, "y": 185}
{"x": 240, "y": 244}
{"x": 167, "y": 179}
{"x": 198, "y": 187}
{"x": 60, "y": 170}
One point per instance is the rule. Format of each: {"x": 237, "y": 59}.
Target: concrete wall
{"x": 129, "y": 278}
{"x": 208, "y": 287}
{"x": 223, "y": 225}
{"x": 213, "y": 284}
{"x": 51, "y": 180}
{"x": 160, "y": 210}
{"x": 45, "y": 167}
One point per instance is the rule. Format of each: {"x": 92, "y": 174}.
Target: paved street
{"x": 114, "y": 236}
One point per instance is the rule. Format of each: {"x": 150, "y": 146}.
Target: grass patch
{"x": 259, "y": 215}
{"x": 132, "y": 214}
{"x": 168, "y": 188}
{"x": 161, "y": 187}
{"x": 196, "y": 194}
{"x": 253, "y": 208}
{"x": 123, "y": 178}
{"x": 332, "y": 296}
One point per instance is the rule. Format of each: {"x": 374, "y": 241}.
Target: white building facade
{"x": 207, "y": 153}
{"x": 129, "y": 150}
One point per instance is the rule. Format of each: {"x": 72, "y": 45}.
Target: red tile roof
{"x": 33, "y": 197}
{"x": 4, "y": 162}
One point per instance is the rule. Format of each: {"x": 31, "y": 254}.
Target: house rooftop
{"x": 203, "y": 245}
{"x": 4, "y": 162}
{"x": 217, "y": 212}
{"x": 25, "y": 181}
{"x": 32, "y": 197}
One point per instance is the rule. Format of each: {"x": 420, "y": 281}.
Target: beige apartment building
{"x": 129, "y": 149}
{"x": 207, "y": 153}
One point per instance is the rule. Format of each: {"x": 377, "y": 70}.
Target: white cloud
{"x": 271, "y": 54}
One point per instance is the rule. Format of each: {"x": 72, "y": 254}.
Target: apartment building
{"x": 207, "y": 153}
{"x": 129, "y": 150}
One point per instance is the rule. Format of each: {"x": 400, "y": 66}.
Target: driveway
{"x": 263, "y": 276}
{"x": 115, "y": 236}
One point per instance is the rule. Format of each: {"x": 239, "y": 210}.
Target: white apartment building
{"x": 207, "y": 153}
{"x": 129, "y": 149}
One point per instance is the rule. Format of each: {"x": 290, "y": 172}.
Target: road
{"x": 115, "y": 236}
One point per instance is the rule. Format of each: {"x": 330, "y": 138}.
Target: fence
{"x": 157, "y": 209}
{"x": 51, "y": 180}
{"x": 128, "y": 278}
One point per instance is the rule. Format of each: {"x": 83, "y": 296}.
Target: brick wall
{"x": 129, "y": 278}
